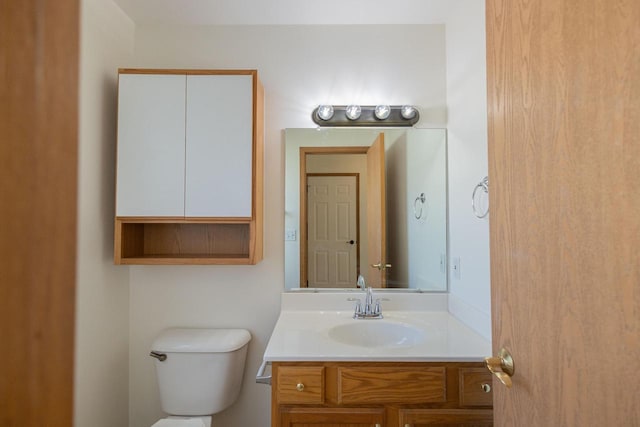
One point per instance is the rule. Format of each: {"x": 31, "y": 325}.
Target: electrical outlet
{"x": 290, "y": 234}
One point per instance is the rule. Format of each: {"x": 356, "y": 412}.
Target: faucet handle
{"x": 377, "y": 309}
{"x": 358, "y": 309}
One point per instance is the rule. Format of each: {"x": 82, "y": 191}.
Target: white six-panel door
{"x": 332, "y": 231}
{"x": 151, "y": 123}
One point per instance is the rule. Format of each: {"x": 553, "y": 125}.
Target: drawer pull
{"x": 486, "y": 387}
{"x": 300, "y": 387}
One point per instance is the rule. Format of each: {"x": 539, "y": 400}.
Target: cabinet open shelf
{"x": 183, "y": 241}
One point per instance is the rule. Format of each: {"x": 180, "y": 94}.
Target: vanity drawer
{"x": 475, "y": 387}
{"x": 357, "y": 385}
{"x": 300, "y": 384}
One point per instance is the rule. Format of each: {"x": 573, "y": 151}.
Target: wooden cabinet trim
{"x": 184, "y": 71}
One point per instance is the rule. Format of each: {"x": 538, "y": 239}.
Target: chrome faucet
{"x": 370, "y": 310}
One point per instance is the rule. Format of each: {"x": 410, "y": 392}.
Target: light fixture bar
{"x": 367, "y": 117}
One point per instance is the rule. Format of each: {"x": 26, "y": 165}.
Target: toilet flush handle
{"x": 160, "y": 356}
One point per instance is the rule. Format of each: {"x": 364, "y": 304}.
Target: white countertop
{"x": 303, "y": 334}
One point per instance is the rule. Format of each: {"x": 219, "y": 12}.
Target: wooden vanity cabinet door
{"x": 445, "y": 418}
{"x": 332, "y": 417}
{"x": 300, "y": 385}
{"x": 473, "y": 387}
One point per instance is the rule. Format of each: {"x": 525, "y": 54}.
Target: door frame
{"x": 39, "y": 121}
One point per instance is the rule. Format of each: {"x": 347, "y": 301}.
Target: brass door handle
{"x": 502, "y": 366}
{"x": 381, "y": 266}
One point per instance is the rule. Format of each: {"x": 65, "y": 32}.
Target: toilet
{"x": 199, "y": 373}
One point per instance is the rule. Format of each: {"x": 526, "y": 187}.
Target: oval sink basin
{"x": 376, "y": 333}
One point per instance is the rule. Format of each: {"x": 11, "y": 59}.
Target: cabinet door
{"x": 332, "y": 417}
{"x": 446, "y": 418}
{"x": 151, "y": 126}
{"x": 219, "y": 147}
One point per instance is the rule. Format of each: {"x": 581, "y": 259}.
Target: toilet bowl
{"x": 199, "y": 373}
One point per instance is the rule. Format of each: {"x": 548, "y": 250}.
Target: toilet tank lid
{"x": 193, "y": 340}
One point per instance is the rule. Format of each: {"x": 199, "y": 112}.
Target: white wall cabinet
{"x": 189, "y": 167}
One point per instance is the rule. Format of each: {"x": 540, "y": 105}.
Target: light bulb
{"x": 408, "y": 111}
{"x": 325, "y": 112}
{"x": 382, "y": 111}
{"x": 353, "y": 112}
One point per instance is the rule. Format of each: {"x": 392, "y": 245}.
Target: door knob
{"x": 501, "y": 366}
{"x": 381, "y": 266}
{"x": 351, "y": 242}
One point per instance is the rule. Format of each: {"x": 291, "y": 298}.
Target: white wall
{"x": 299, "y": 67}
{"x": 470, "y": 296}
{"x": 102, "y": 316}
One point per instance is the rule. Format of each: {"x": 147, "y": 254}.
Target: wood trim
{"x": 253, "y": 73}
{"x": 257, "y": 234}
{"x": 303, "y": 198}
{"x": 39, "y": 51}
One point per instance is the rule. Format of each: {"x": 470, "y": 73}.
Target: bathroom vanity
{"x": 416, "y": 367}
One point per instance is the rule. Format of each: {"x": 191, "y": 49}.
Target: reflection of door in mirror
{"x": 376, "y": 216}
{"x": 327, "y": 254}
{"x": 332, "y": 225}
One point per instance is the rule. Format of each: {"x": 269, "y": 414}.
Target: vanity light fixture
{"x": 365, "y": 115}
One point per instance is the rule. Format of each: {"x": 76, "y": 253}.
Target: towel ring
{"x": 484, "y": 185}
{"x": 422, "y": 199}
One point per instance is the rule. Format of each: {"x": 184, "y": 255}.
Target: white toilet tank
{"x": 203, "y": 369}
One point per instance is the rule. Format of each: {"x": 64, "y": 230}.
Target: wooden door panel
{"x": 39, "y": 153}
{"x": 376, "y": 214}
{"x": 564, "y": 121}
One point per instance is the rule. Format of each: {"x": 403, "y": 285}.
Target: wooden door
{"x": 564, "y": 158}
{"x": 151, "y": 129}
{"x": 39, "y": 152}
{"x": 376, "y": 215}
{"x": 332, "y": 231}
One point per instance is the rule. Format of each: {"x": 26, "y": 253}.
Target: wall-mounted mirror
{"x": 366, "y": 201}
